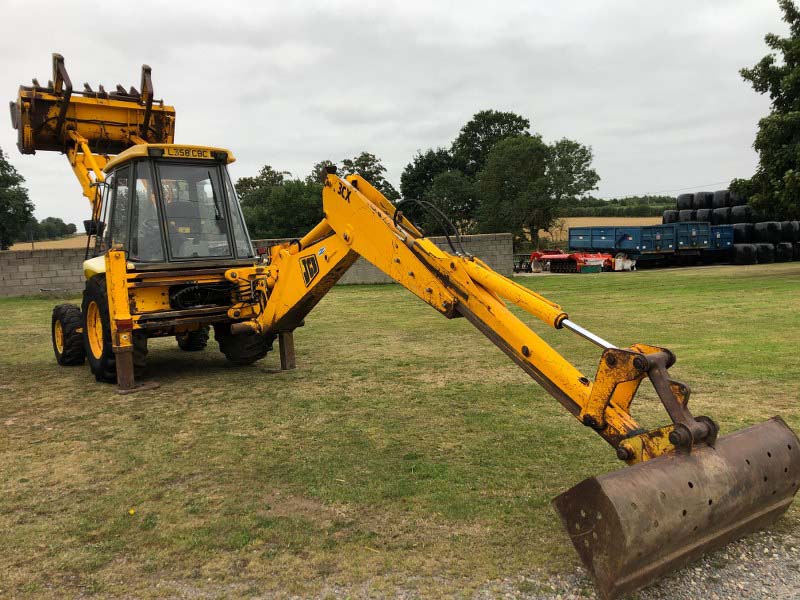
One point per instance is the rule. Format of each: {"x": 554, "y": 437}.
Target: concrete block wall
{"x": 33, "y": 272}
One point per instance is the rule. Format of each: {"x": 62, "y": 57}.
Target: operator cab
{"x": 166, "y": 203}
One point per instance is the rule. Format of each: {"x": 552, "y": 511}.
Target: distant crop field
{"x": 76, "y": 241}
{"x": 561, "y": 233}
{"x": 406, "y": 456}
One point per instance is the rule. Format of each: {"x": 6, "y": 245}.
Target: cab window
{"x": 119, "y": 207}
{"x": 194, "y": 209}
{"x": 244, "y": 248}
{"x": 146, "y": 239}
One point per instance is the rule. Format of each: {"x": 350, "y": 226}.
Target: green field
{"x": 405, "y": 450}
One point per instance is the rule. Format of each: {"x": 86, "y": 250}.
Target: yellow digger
{"x": 168, "y": 254}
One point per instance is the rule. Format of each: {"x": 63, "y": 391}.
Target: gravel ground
{"x": 764, "y": 565}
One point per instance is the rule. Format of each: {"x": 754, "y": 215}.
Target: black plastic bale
{"x": 796, "y": 253}
{"x": 745, "y": 254}
{"x": 742, "y": 233}
{"x": 721, "y": 216}
{"x": 784, "y": 252}
{"x": 766, "y": 253}
{"x": 787, "y": 231}
{"x": 704, "y": 214}
{"x": 795, "y": 231}
{"x": 767, "y": 232}
{"x": 685, "y": 201}
{"x": 703, "y": 200}
{"x": 670, "y": 216}
{"x": 721, "y": 199}
{"x": 735, "y": 199}
{"x": 684, "y": 216}
{"x": 741, "y": 214}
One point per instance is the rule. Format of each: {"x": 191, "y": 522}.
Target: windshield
{"x": 195, "y": 212}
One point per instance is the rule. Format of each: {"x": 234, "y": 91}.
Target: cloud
{"x": 652, "y": 87}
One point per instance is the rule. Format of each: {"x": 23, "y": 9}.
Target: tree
{"x": 318, "y": 171}
{"x": 266, "y": 177}
{"x": 277, "y": 207}
{"x": 774, "y": 189}
{"x": 514, "y": 190}
{"x": 288, "y": 210}
{"x": 453, "y": 193}
{"x": 419, "y": 174}
{"x": 370, "y": 168}
{"x": 476, "y": 139}
{"x": 569, "y": 171}
{"x": 15, "y": 206}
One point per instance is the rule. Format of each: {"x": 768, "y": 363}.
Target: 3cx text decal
{"x": 344, "y": 192}
{"x": 310, "y": 268}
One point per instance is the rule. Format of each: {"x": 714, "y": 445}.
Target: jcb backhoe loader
{"x": 171, "y": 257}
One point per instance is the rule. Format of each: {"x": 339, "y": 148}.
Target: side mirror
{"x": 94, "y": 227}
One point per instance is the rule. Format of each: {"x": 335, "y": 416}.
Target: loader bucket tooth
{"x": 633, "y": 525}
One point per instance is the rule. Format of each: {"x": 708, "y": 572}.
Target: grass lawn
{"x": 405, "y": 450}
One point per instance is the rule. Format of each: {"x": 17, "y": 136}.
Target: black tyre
{"x": 742, "y": 233}
{"x": 243, "y": 349}
{"x": 684, "y": 216}
{"x": 721, "y": 199}
{"x": 67, "y": 336}
{"x": 193, "y": 341}
{"x": 704, "y": 214}
{"x": 783, "y": 252}
{"x": 767, "y": 232}
{"x": 670, "y": 216}
{"x": 745, "y": 254}
{"x": 685, "y": 201}
{"x": 766, "y": 253}
{"x": 741, "y": 214}
{"x": 703, "y": 200}
{"x": 97, "y": 333}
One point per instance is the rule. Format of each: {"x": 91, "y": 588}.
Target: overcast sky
{"x": 652, "y": 86}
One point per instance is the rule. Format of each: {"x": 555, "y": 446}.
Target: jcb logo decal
{"x": 310, "y": 268}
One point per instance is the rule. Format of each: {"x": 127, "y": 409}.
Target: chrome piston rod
{"x": 585, "y": 333}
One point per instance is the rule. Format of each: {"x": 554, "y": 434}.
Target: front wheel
{"x": 243, "y": 349}
{"x": 193, "y": 341}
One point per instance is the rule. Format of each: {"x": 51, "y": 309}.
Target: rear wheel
{"x": 243, "y": 349}
{"x": 193, "y": 341}
{"x": 67, "y": 336}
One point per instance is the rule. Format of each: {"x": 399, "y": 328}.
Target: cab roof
{"x": 170, "y": 152}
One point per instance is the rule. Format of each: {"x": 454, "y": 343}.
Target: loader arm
{"x": 89, "y": 125}
{"x": 687, "y": 492}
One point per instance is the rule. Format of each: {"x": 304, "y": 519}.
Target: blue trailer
{"x": 693, "y": 237}
{"x": 640, "y": 243}
{"x": 653, "y": 242}
{"x": 722, "y": 238}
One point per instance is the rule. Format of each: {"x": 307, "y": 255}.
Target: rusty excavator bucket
{"x": 633, "y": 525}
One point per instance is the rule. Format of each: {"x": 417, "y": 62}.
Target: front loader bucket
{"x": 633, "y": 525}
